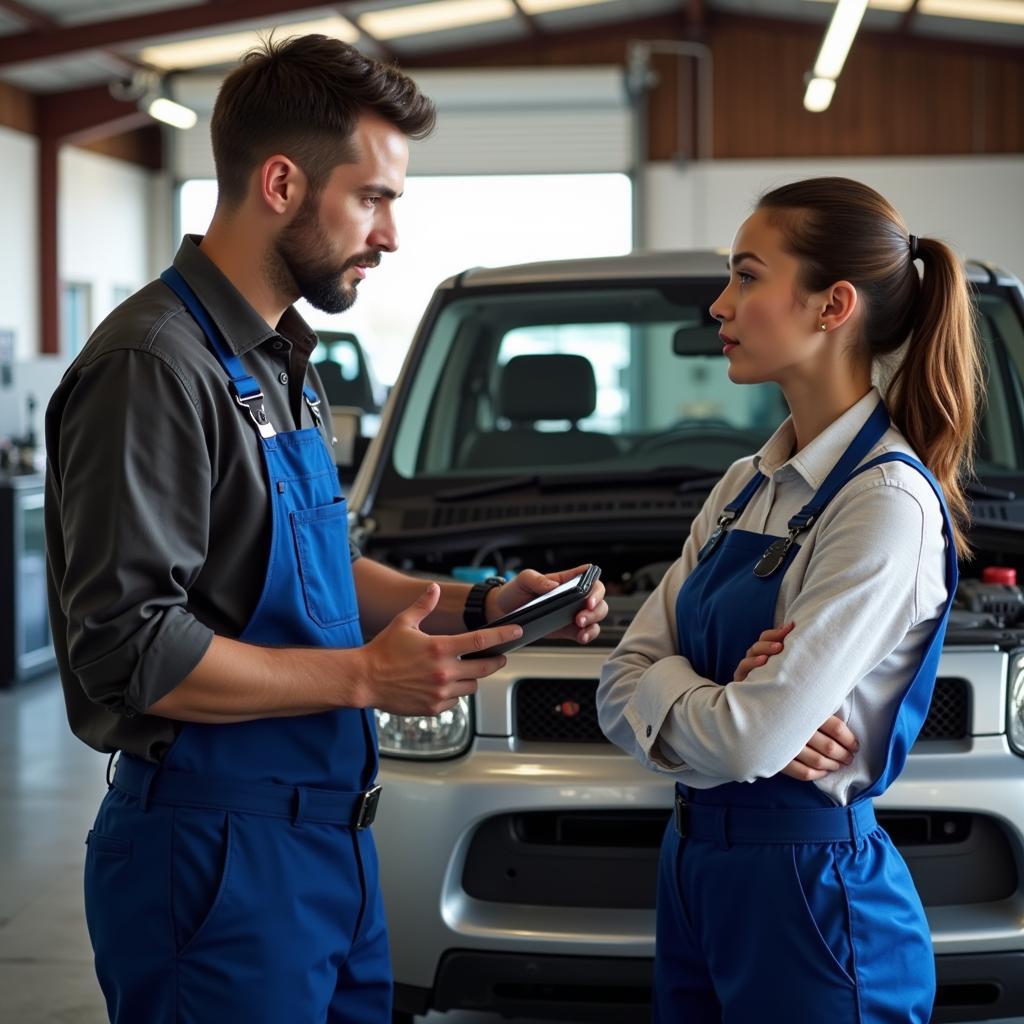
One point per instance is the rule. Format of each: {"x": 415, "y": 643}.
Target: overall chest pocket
{"x": 325, "y": 566}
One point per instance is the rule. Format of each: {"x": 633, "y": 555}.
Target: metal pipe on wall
{"x": 640, "y": 79}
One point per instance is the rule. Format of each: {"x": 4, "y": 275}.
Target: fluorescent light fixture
{"x": 818, "y": 94}
{"x": 1007, "y": 12}
{"x": 846, "y": 19}
{"x": 174, "y": 114}
{"x": 544, "y": 6}
{"x": 877, "y": 5}
{"x": 435, "y": 16}
{"x": 208, "y": 51}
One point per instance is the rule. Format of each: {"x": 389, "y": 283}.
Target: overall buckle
{"x": 253, "y": 405}
{"x": 367, "y": 809}
{"x": 682, "y": 816}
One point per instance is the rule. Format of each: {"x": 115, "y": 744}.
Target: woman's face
{"x": 769, "y": 330}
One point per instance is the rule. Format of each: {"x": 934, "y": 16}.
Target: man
{"x": 205, "y": 602}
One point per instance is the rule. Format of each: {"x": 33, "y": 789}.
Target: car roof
{"x": 689, "y": 263}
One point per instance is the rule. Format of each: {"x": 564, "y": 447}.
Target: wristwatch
{"x": 474, "y": 615}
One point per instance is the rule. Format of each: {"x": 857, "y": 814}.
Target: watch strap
{"x": 474, "y": 614}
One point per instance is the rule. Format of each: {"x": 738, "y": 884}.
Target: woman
{"x": 814, "y": 588}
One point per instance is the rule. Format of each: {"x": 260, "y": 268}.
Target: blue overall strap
{"x": 916, "y": 701}
{"x": 313, "y": 402}
{"x": 868, "y": 436}
{"x": 730, "y": 512}
{"x": 244, "y": 386}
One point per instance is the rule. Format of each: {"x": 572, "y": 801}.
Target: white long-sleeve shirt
{"x": 864, "y": 590}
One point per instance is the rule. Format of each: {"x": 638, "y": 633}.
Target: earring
{"x": 824, "y": 327}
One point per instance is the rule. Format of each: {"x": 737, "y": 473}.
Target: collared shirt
{"x": 157, "y": 514}
{"x": 865, "y": 591}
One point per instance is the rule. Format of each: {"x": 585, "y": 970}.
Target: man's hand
{"x": 409, "y": 672}
{"x": 530, "y": 584}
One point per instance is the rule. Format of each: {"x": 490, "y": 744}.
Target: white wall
{"x": 106, "y": 210}
{"x": 974, "y": 203}
{"x": 114, "y": 230}
{"x": 19, "y": 253}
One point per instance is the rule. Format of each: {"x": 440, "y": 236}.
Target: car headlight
{"x": 1015, "y": 708}
{"x": 444, "y": 735}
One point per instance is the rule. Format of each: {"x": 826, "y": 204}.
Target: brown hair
{"x": 840, "y": 229}
{"x": 302, "y": 97}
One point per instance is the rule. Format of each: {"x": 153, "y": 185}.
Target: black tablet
{"x": 544, "y": 614}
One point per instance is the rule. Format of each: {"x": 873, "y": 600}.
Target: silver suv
{"x": 561, "y": 413}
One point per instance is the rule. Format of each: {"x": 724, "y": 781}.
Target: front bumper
{"x": 432, "y": 810}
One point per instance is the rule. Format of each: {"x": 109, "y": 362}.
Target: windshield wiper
{"x": 688, "y": 478}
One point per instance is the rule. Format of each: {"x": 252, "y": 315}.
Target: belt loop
{"x": 147, "y": 782}
{"x": 300, "y": 806}
{"x": 856, "y": 832}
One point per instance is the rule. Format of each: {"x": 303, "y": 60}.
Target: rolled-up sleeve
{"x": 134, "y": 493}
{"x": 857, "y": 603}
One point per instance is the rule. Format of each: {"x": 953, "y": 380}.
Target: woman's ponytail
{"x": 933, "y": 395}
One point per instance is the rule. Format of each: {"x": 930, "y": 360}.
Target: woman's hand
{"x": 530, "y": 584}
{"x": 832, "y": 747}
{"x": 770, "y": 642}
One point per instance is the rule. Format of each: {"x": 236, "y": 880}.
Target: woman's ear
{"x": 838, "y": 304}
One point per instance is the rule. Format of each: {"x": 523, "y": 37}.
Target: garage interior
{"x": 567, "y": 129}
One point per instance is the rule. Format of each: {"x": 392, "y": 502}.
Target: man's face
{"x": 337, "y": 236}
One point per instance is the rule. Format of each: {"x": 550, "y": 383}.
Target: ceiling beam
{"x": 39, "y": 44}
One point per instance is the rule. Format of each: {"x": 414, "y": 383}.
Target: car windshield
{"x": 621, "y": 379}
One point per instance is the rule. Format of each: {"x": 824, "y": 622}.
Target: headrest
{"x": 550, "y": 387}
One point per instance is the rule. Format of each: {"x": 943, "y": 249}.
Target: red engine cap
{"x": 1003, "y": 574}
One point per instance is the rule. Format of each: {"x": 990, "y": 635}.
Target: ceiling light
{"x": 846, "y": 19}
{"x": 209, "y": 51}
{"x": 877, "y": 5}
{"x": 544, "y": 6}
{"x": 436, "y": 16}
{"x": 146, "y": 90}
{"x": 818, "y": 94}
{"x": 175, "y": 114}
{"x": 1008, "y": 12}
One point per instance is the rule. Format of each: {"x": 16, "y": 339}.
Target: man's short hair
{"x": 302, "y": 97}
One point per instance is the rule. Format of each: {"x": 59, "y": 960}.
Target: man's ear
{"x": 281, "y": 185}
{"x": 838, "y": 304}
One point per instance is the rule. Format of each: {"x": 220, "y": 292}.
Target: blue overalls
{"x": 237, "y": 882}
{"x": 775, "y": 905}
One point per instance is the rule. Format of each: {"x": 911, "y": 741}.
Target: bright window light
{"x": 435, "y": 16}
{"x": 449, "y": 224}
{"x": 819, "y": 94}
{"x": 209, "y": 51}
{"x": 839, "y": 37}
{"x": 1008, "y": 12}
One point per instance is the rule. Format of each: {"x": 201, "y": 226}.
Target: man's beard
{"x": 301, "y": 261}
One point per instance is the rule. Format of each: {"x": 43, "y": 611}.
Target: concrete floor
{"x": 50, "y": 786}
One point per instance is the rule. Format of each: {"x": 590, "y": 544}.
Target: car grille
{"x": 565, "y": 711}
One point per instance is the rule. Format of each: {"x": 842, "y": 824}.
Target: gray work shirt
{"x": 157, "y": 516}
